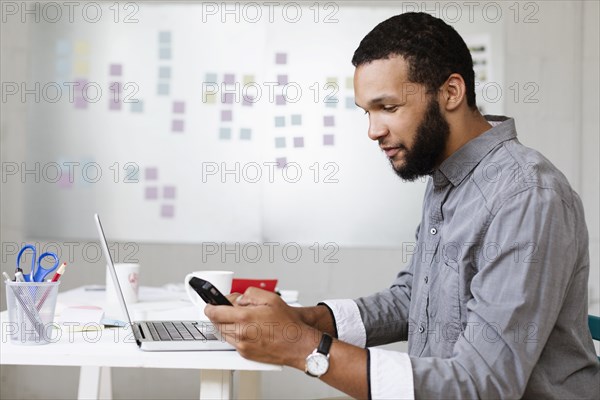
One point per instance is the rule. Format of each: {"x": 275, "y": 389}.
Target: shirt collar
{"x": 455, "y": 168}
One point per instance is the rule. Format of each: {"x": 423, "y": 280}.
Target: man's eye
{"x": 390, "y": 108}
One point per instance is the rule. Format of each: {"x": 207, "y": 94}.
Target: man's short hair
{"x": 432, "y": 48}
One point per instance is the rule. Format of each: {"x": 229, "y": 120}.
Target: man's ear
{"x": 453, "y": 92}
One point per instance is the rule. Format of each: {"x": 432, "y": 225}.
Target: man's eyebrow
{"x": 379, "y": 100}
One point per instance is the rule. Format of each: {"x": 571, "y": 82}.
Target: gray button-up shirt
{"x": 494, "y": 301}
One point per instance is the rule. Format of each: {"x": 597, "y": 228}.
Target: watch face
{"x": 317, "y": 364}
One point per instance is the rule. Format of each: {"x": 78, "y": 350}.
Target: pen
{"x": 59, "y": 272}
{"x": 6, "y": 277}
{"x": 19, "y": 276}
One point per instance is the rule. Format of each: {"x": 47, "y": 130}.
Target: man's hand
{"x": 263, "y": 328}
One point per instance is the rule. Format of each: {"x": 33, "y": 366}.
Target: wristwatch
{"x": 317, "y": 362}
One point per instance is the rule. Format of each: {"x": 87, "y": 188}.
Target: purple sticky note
{"x": 229, "y": 79}
{"x": 167, "y": 211}
{"x": 280, "y": 100}
{"x": 299, "y": 141}
{"x": 114, "y": 105}
{"x": 116, "y": 69}
{"x": 80, "y": 103}
{"x": 328, "y": 120}
{"x": 280, "y": 58}
{"x": 327, "y": 140}
{"x": 169, "y": 192}
{"x": 227, "y": 98}
{"x": 282, "y": 79}
{"x": 151, "y": 193}
{"x": 179, "y": 107}
{"x": 151, "y": 173}
{"x": 281, "y": 162}
{"x": 65, "y": 180}
{"x": 248, "y": 101}
{"x": 114, "y": 88}
{"x": 177, "y": 125}
{"x": 226, "y": 115}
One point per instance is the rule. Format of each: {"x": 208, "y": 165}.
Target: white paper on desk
{"x": 81, "y": 318}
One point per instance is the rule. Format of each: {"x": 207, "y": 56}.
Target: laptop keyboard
{"x": 177, "y": 330}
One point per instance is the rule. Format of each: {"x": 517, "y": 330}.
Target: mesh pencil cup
{"x": 31, "y": 308}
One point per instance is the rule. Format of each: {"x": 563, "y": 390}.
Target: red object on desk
{"x": 240, "y": 285}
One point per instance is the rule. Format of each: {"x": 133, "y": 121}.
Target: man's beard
{"x": 428, "y": 147}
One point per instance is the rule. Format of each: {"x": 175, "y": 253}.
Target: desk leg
{"x": 216, "y": 384}
{"x": 95, "y": 383}
{"x": 249, "y": 385}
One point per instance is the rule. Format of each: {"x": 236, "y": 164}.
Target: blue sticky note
{"x": 245, "y": 134}
{"x": 164, "y": 72}
{"x": 279, "y": 142}
{"x": 164, "y": 53}
{"x": 225, "y": 133}
{"x": 350, "y": 103}
{"x": 137, "y": 107}
{"x": 296, "y": 119}
{"x": 163, "y": 89}
{"x": 63, "y": 47}
{"x": 164, "y": 37}
{"x": 279, "y": 121}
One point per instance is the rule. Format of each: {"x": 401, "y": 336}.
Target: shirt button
{"x": 421, "y": 329}
{"x": 426, "y": 279}
{"x": 433, "y": 231}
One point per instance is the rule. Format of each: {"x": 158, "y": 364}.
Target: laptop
{"x": 164, "y": 335}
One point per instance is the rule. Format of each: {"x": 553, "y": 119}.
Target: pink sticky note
{"x": 282, "y": 79}
{"x": 229, "y": 79}
{"x": 328, "y": 140}
{"x": 281, "y": 162}
{"x": 116, "y": 69}
{"x": 299, "y": 141}
{"x": 114, "y": 105}
{"x": 280, "y": 100}
{"x": 280, "y": 58}
{"x": 248, "y": 101}
{"x": 80, "y": 103}
{"x": 65, "y": 180}
{"x": 226, "y": 115}
{"x": 179, "y": 107}
{"x": 328, "y": 120}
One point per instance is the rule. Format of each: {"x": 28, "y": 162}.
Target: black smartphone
{"x": 208, "y": 292}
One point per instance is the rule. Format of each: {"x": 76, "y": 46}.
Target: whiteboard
{"x": 212, "y": 129}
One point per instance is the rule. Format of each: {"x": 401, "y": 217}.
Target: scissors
{"x": 38, "y": 272}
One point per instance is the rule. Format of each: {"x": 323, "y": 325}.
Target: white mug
{"x": 128, "y": 275}
{"x": 220, "y": 279}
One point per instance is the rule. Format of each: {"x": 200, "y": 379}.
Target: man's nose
{"x": 376, "y": 129}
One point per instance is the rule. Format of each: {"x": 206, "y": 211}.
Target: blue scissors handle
{"x": 41, "y": 273}
{"x": 37, "y": 273}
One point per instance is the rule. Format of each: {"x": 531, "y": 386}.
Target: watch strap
{"x": 325, "y": 344}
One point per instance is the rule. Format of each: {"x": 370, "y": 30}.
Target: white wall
{"x": 559, "y": 54}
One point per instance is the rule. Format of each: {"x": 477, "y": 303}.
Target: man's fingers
{"x": 255, "y": 296}
{"x": 233, "y": 297}
{"x": 222, "y": 314}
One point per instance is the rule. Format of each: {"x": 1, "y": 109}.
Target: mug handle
{"x": 193, "y": 296}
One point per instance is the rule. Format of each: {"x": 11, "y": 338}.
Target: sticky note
{"x": 332, "y": 79}
{"x": 65, "y": 182}
{"x": 280, "y": 58}
{"x": 226, "y": 115}
{"x": 164, "y": 72}
{"x": 248, "y": 79}
{"x": 164, "y": 37}
{"x": 177, "y": 125}
{"x": 179, "y": 107}
{"x": 282, "y": 79}
{"x": 350, "y": 103}
{"x": 279, "y": 142}
{"x": 299, "y": 141}
{"x": 163, "y": 89}
{"x": 82, "y": 48}
{"x": 62, "y": 66}
{"x": 210, "y": 78}
{"x": 167, "y": 211}
{"x": 349, "y": 82}
{"x": 114, "y": 89}
{"x": 328, "y": 120}
{"x": 81, "y": 67}
{"x": 328, "y": 140}
{"x": 281, "y": 162}
{"x": 164, "y": 53}
{"x": 62, "y": 47}
{"x": 169, "y": 192}
{"x": 211, "y": 98}
{"x": 280, "y": 100}
{"x": 279, "y": 121}
{"x": 115, "y": 69}
{"x": 331, "y": 102}
{"x": 227, "y": 98}
{"x": 114, "y": 105}
{"x": 296, "y": 119}
{"x": 225, "y": 133}
{"x": 80, "y": 102}
{"x": 247, "y": 101}
{"x": 137, "y": 107}
{"x": 151, "y": 193}
{"x": 229, "y": 79}
{"x": 151, "y": 173}
{"x": 245, "y": 134}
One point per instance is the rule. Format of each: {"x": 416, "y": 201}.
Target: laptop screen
{"x": 111, "y": 266}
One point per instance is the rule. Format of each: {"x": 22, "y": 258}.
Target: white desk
{"x": 96, "y": 351}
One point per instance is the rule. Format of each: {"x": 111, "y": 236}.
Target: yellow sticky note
{"x": 81, "y": 67}
{"x": 248, "y": 79}
{"x": 349, "y": 82}
{"x": 82, "y": 48}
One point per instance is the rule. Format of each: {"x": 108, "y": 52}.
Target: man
{"x": 494, "y": 301}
